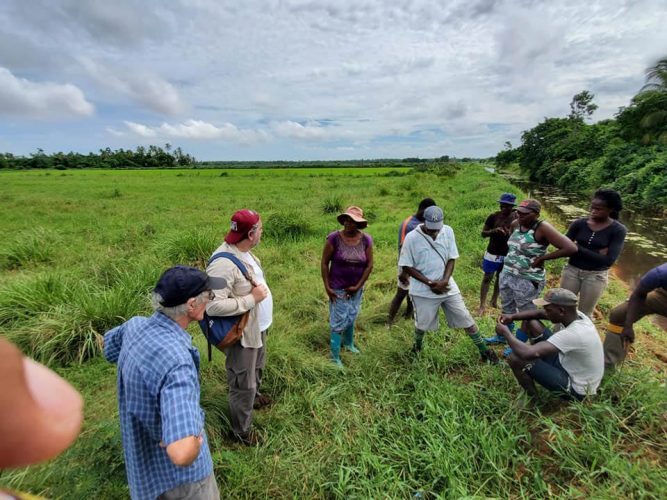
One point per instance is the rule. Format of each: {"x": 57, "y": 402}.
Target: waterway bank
{"x": 646, "y": 242}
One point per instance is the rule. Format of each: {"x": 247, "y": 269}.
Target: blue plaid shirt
{"x": 158, "y": 400}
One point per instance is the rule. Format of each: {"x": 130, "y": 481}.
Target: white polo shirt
{"x": 417, "y": 252}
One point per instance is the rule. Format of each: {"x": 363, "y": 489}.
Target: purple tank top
{"x": 348, "y": 262}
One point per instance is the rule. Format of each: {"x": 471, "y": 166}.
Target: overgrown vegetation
{"x": 390, "y": 426}
{"x": 628, "y": 153}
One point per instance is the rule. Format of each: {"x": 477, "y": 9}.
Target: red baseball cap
{"x": 242, "y": 222}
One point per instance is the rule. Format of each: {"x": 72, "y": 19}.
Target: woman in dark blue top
{"x": 599, "y": 238}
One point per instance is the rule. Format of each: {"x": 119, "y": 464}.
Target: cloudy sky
{"x": 312, "y": 79}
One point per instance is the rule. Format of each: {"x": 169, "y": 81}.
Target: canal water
{"x": 645, "y": 244}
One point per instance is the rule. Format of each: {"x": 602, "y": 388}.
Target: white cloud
{"x": 199, "y": 130}
{"x": 307, "y": 132}
{"x": 21, "y": 97}
{"x": 141, "y": 86}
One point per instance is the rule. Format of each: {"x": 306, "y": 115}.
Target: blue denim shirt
{"x": 158, "y": 400}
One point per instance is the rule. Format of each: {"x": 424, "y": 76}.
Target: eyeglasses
{"x": 211, "y": 294}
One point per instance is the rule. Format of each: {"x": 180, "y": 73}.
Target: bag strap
{"x": 236, "y": 261}
{"x": 427, "y": 238}
{"x": 246, "y": 275}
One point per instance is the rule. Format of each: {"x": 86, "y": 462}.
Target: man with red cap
{"x": 246, "y": 358}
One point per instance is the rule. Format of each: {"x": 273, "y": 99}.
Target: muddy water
{"x": 646, "y": 242}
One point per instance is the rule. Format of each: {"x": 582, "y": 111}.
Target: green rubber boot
{"x": 348, "y": 340}
{"x": 335, "y": 341}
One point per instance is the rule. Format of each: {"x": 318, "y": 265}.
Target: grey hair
{"x": 175, "y": 312}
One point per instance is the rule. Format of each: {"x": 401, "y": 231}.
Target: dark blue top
{"x": 589, "y": 243}
{"x": 655, "y": 278}
{"x": 158, "y": 400}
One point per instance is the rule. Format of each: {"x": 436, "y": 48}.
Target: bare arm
{"x": 184, "y": 451}
{"x": 526, "y": 351}
{"x": 520, "y": 316}
{"x": 566, "y": 247}
{"x": 633, "y": 312}
{"x": 413, "y": 272}
{"x": 437, "y": 286}
{"x": 327, "y": 254}
{"x": 489, "y": 230}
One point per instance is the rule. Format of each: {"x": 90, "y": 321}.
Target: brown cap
{"x": 558, "y": 297}
{"x": 529, "y": 206}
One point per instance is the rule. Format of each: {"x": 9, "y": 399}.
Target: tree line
{"x": 627, "y": 153}
{"x": 141, "y": 157}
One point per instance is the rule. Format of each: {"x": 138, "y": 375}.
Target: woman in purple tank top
{"x": 347, "y": 261}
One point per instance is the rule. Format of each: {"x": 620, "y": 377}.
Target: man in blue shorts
{"x": 569, "y": 362}
{"x": 497, "y": 229}
{"x": 650, "y": 297}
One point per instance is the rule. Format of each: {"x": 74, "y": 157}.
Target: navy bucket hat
{"x": 507, "y": 198}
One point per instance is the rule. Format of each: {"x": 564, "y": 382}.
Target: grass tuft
{"x": 34, "y": 246}
{"x": 287, "y": 226}
{"x": 333, "y": 204}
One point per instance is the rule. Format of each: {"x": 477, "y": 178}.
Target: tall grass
{"x": 390, "y": 425}
{"x": 33, "y": 246}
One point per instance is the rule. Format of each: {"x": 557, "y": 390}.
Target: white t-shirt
{"x": 265, "y": 307}
{"x": 418, "y": 252}
{"x": 581, "y": 354}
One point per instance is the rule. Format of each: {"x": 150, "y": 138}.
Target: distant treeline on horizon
{"x": 155, "y": 157}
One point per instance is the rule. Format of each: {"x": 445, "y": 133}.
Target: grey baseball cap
{"x": 433, "y": 218}
{"x": 558, "y": 297}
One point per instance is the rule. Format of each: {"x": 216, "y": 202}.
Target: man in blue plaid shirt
{"x": 162, "y": 423}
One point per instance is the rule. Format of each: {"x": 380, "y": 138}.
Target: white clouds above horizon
{"x": 329, "y": 78}
{"x": 41, "y": 100}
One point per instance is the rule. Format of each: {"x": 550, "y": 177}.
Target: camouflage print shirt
{"x": 523, "y": 248}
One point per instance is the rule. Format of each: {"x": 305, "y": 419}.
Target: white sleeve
{"x": 453, "y": 251}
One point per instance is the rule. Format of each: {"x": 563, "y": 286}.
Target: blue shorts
{"x": 550, "y": 374}
{"x": 490, "y": 266}
{"x": 344, "y": 312}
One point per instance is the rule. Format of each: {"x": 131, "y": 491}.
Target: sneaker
{"x": 337, "y": 362}
{"x": 415, "y": 350}
{"x": 496, "y": 339}
{"x": 261, "y": 401}
{"x": 250, "y": 438}
{"x": 490, "y": 357}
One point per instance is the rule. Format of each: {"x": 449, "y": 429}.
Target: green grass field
{"x": 81, "y": 250}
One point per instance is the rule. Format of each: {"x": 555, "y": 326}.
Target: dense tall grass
{"x": 390, "y": 425}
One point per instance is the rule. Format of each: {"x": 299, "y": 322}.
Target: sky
{"x": 312, "y": 79}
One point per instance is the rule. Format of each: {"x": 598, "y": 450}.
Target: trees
{"x": 151, "y": 157}
{"x": 656, "y": 76}
{"x": 645, "y": 119}
{"x": 582, "y": 106}
{"x": 628, "y": 153}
